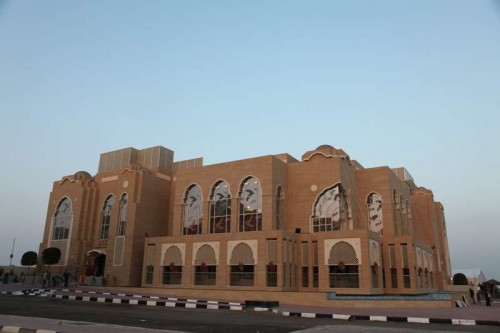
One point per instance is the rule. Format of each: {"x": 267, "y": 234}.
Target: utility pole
{"x": 12, "y": 252}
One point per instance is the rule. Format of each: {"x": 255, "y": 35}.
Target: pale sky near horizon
{"x": 397, "y": 83}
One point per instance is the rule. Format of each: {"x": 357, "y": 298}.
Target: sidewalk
{"x": 478, "y": 314}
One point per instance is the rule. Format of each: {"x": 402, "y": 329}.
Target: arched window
{"x": 172, "y": 266}
{"x": 395, "y": 202}
{"x": 250, "y": 198}
{"x": 404, "y": 219}
{"x": 62, "y": 220}
{"x": 122, "y": 223}
{"x": 106, "y": 217}
{"x": 205, "y": 266}
{"x": 343, "y": 264}
{"x": 220, "y": 208}
{"x": 192, "y": 211}
{"x": 242, "y": 266}
{"x": 395, "y": 199}
{"x": 279, "y": 207}
{"x": 374, "y": 205}
{"x": 331, "y": 210}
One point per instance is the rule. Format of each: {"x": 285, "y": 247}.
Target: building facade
{"x": 271, "y": 223}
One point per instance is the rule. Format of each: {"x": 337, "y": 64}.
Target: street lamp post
{"x": 12, "y": 252}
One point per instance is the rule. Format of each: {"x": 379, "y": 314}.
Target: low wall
{"x": 458, "y": 289}
{"x": 303, "y": 298}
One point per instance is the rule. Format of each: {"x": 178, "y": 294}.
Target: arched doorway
{"x": 95, "y": 263}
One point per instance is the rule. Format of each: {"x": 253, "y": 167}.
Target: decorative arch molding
{"x": 326, "y": 151}
{"x": 422, "y": 191}
{"x": 96, "y": 252}
{"x": 215, "y": 246}
{"x": 252, "y": 244}
{"x": 126, "y": 170}
{"x": 180, "y": 246}
{"x": 65, "y": 179}
{"x": 374, "y": 252}
{"x": 135, "y": 167}
{"x": 354, "y": 242}
{"x": 318, "y": 153}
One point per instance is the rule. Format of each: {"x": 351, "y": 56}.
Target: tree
{"x": 460, "y": 279}
{"x": 51, "y": 256}
{"x": 29, "y": 259}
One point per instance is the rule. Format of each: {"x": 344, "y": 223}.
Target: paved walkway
{"x": 478, "y": 314}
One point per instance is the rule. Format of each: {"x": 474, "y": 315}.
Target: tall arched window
{"x": 331, "y": 210}
{"x": 122, "y": 223}
{"x": 250, "y": 205}
{"x": 62, "y": 220}
{"x": 279, "y": 207}
{"x": 220, "y": 208}
{"x": 374, "y": 205}
{"x": 106, "y": 217}
{"x": 192, "y": 211}
{"x": 395, "y": 202}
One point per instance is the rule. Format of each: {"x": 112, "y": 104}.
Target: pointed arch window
{"x": 375, "y": 218}
{"x": 106, "y": 217}
{"x": 250, "y": 198}
{"x": 62, "y": 220}
{"x": 331, "y": 210}
{"x": 220, "y": 208}
{"x": 122, "y": 223}
{"x": 279, "y": 207}
{"x": 192, "y": 211}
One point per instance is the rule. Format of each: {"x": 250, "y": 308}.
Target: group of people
{"x": 50, "y": 280}
{"x": 481, "y": 290}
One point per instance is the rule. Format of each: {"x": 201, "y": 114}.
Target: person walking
{"x": 487, "y": 297}
{"x": 46, "y": 279}
{"x": 66, "y": 277}
{"x": 471, "y": 292}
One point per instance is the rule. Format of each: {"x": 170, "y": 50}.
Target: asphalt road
{"x": 200, "y": 320}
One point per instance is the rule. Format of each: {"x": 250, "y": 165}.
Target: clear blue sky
{"x": 397, "y": 83}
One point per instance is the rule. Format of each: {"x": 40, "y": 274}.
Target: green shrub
{"x": 460, "y": 279}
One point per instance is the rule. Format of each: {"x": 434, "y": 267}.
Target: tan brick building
{"x": 268, "y": 224}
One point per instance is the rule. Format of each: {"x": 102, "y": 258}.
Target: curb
{"x": 15, "y": 329}
{"x": 153, "y": 300}
{"x": 171, "y": 303}
{"x": 465, "y": 322}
